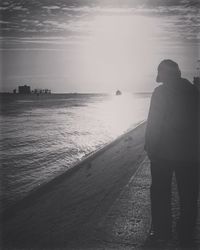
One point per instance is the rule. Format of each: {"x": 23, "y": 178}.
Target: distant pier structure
{"x": 25, "y": 89}
{"x": 41, "y": 91}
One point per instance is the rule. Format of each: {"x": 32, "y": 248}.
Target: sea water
{"x": 44, "y": 136}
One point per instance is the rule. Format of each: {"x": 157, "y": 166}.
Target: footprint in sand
{"x": 128, "y": 139}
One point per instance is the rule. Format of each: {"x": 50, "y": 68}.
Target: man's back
{"x": 172, "y": 128}
{"x": 172, "y": 146}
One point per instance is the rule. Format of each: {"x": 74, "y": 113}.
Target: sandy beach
{"x": 53, "y": 215}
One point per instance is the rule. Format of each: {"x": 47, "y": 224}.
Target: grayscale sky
{"x": 96, "y": 45}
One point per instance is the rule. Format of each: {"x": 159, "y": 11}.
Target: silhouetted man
{"x": 172, "y": 146}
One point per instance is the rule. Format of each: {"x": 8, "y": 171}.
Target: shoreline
{"x": 55, "y": 212}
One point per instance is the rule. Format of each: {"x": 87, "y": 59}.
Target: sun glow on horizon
{"x": 118, "y": 112}
{"x": 119, "y": 50}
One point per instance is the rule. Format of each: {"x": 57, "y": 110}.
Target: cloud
{"x": 19, "y": 8}
{"x": 180, "y": 18}
{"x": 54, "y": 7}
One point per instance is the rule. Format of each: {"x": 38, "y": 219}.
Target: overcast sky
{"x": 96, "y": 45}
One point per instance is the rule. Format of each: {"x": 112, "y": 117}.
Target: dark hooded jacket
{"x": 172, "y": 125}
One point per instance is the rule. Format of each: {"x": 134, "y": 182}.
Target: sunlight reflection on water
{"x": 43, "y": 138}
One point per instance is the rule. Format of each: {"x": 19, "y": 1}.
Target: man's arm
{"x": 154, "y": 122}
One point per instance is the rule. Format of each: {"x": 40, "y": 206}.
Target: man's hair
{"x": 168, "y": 70}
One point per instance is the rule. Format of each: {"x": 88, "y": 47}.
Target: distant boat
{"x": 118, "y": 92}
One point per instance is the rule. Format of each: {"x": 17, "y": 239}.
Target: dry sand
{"x": 54, "y": 215}
{"x": 125, "y": 226}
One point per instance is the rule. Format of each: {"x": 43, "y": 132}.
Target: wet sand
{"x": 55, "y": 215}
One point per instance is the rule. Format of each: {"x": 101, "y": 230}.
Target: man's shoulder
{"x": 158, "y": 91}
{"x": 186, "y": 81}
{"x": 188, "y": 86}
{"x": 159, "y": 88}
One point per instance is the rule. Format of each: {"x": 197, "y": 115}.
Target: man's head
{"x": 168, "y": 71}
